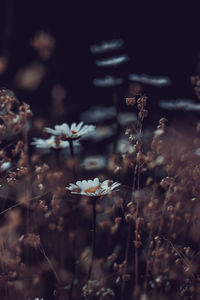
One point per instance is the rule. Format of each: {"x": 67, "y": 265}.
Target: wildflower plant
{"x": 129, "y": 233}
{"x": 93, "y": 188}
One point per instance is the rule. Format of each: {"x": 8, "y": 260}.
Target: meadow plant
{"x": 129, "y": 233}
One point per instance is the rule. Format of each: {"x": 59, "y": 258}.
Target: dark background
{"x": 159, "y": 39}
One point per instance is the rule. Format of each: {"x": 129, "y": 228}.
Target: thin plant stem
{"x": 49, "y": 262}
{"x": 73, "y": 158}
{"x": 74, "y": 247}
{"x": 136, "y": 185}
{"x": 57, "y": 156}
{"x": 136, "y": 263}
{"x": 162, "y": 217}
{"x": 147, "y": 265}
{"x": 126, "y": 259}
{"x": 93, "y": 237}
{"x": 75, "y": 236}
{"x": 74, "y": 267}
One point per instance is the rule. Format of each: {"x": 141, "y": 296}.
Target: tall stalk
{"x": 74, "y": 244}
{"x": 73, "y": 159}
{"x": 94, "y": 201}
{"x": 126, "y": 259}
{"x": 136, "y": 186}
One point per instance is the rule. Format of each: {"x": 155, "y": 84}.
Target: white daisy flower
{"x": 102, "y": 132}
{"x": 197, "y": 152}
{"x": 74, "y": 131}
{"x": 107, "y": 81}
{"x": 49, "y": 143}
{"x": 180, "y": 104}
{"x": 5, "y": 165}
{"x": 126, "y": 117}
{"x": 95, "y": 162}
{"x": 106, "y": 46}
{"x": 124, "y": 146}
{"x": 37, "y": 299}
{"x": 98, "y": 113}
{"x": 158, "y": 81}
{"x": 30, "y": 77}
{"x": 112, "y": 61}
{"x": 93, "y": 187}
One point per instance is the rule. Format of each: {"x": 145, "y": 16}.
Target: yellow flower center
{"x": 77, "y": 190}
{"x": 74, "y": 132}
{"x": 92, "y": 163}
{"x": 52, "y": 143}
{"x": 92, "y": 189}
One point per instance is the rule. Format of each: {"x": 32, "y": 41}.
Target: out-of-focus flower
{"x": 14, "y": 115}
{"x": 112, "y": 61}
{"x": 93, "y": 187}
{"x": 30, "y": 77}
{"x": 102, "y": 132}
{"x": 124, "y": 146}
{"x": 92, "y": 290}
{"x": 44, "y": 44}
{"x": 197, "y": 152}
{"x": 106, "y": 46}
{"x": 96, "y": 162}
{"x": 195, "y": 81}
{"x": 37, "y": 299}
{"x": 3, "y": 64}
{"x": 126, "y": 117}
{"x": 158, "y": 81}
{"x": 5, "y": 165}
{"x": 135, "y": 88}
{"x": 75, "y": 131}
{"x": 179, "y": 104}
{"x": 58, "y": 104}
{"x": 107, "y": 81}
{"x": 51, "y": 142}
{"x": 97, "y": 114}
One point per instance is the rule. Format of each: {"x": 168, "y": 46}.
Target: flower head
{"x": 93, "y": 187}
{"x": 102, "y": 132}
{"x": 158, "y": 81}
{"x": 126, "y": 117}
{"x": 5, "y": 165}
{"x": 30, "y": 76}
{"x": 44, "y": 44}
{"x": 112, "y": 61}
{"x": 98, "y": 113}
{"x": 180, "y": 104}
{"x": 106, "y": 46}
{"x": 107, "y": 81}
{"x": 74, "y": 131}
{"x": 51, "y": 142}
{"x": 95, "y": 162}
{"x": 197, "y": 152}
